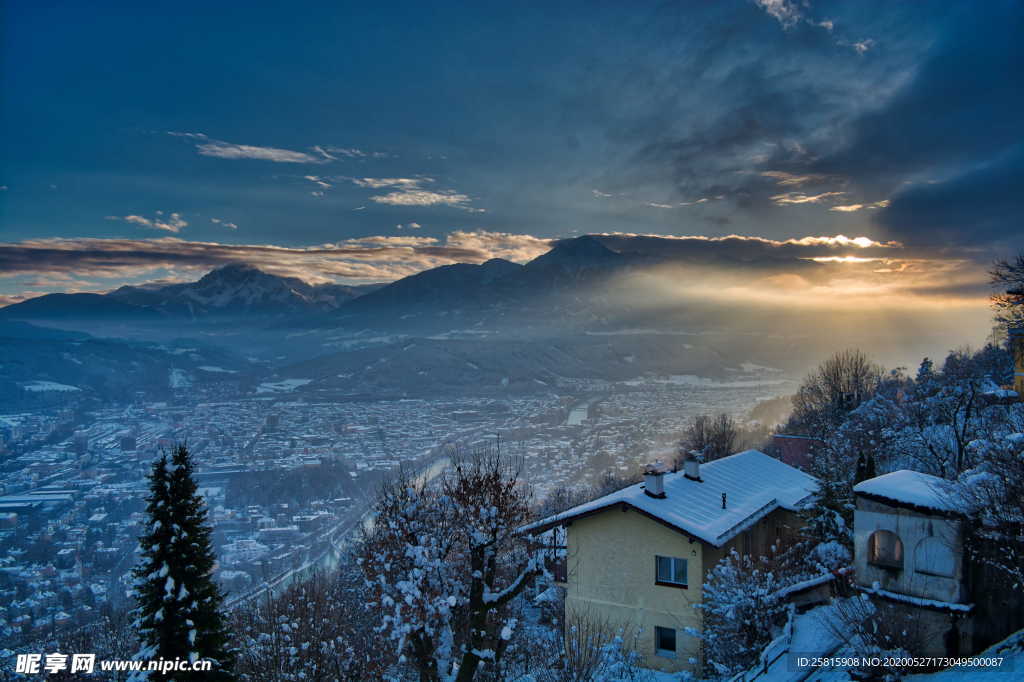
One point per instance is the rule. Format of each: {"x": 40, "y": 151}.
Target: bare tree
{"x": 110, "y": 638}
{"x": 444, "y": 561}
{"x": 565, "y": 497}
{"x": 876, "y": 631}
{"x": 713, "y": 437}
{"x": 832, "y": 391}
{"x": 595, "y": 649}
{"x": 316, "y": 631}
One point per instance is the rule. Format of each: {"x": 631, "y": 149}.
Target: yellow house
{"x": 637, "y": 558}
{"x": 1017, "y": 348}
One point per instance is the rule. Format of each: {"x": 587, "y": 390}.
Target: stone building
{"x": 909, "y": 554}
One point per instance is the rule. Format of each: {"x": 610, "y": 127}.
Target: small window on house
{"x": 932, "y": 556}
{"x": 885, "y": 549}
{"x": 670, "y": 570}
{"x": 665, "y": 642}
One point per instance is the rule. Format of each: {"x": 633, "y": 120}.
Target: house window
{"x": 885, "y": 549}
{"x": 670, "y": 570}
{"x": 665, "y": 642}
{"x": 932, "y": 556}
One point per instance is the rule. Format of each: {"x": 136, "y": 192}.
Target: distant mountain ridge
{"x": 231, "y": 290}
{"x": 582, "y": 309}
{"x": 447, "y": 285}
{"x": 563, "y": 285}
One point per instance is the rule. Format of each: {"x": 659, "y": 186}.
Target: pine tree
{"x": 865, "y": 467}
{"x": 179, "y": 613}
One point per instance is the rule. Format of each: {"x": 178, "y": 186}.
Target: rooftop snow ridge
{"x": 754, "y": 484}
{"x": 911, "y": 488}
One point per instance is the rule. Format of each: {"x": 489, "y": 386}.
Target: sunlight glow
{"x": 842, "y": 259}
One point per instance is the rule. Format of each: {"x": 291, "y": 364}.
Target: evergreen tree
{"x": 865, "y": 467}
{"x": 179, "y": 613}
{"x": 861, "y": 474}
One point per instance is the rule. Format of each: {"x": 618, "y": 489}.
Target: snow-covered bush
{"x": 583, "y": 647}
{"x": 315, "y": 631}
{"x": 743, "y": 602}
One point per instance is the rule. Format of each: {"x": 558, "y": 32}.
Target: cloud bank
{"x": 828, "y": 270}
{"x": 366, "y": 259}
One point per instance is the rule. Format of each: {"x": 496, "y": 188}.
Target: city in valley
{"x": 289, "y": 474}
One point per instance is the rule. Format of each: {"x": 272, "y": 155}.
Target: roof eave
{"x": 909, "y": 505}
{"x": 625, "y": 505}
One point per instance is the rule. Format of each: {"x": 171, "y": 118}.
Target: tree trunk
{"x": 467, "y": 669}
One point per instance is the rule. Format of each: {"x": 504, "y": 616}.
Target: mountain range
{"x": 234, "y": 290}
{"x": 596, "y": 305}
{"x": 259, "y": 298}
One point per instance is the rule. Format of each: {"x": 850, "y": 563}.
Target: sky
{"x": 362, "y": 142}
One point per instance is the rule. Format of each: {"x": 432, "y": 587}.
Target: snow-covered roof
{"x": 917, "y": 601}
{"x": 910, "y": 487}
{"x": 754, "y": 484}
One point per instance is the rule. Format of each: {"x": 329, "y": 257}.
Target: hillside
{"x": 37, "y": 362}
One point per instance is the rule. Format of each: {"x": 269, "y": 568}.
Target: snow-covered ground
{"x": 815, "y": 635}
{"x": 214, "y": 368}
{"x": 178, "y": 378}
{"x": 282, "y": 386}
{"x": 751, "y": 368}
{"x": 642, "y": 332}
{"x": 693, "y": 380}
{"x": 1010, "y": 650}
{"x": 39, "y": 385}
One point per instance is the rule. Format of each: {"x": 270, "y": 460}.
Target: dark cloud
{"x": 952, "y": 132}
{"x": 925, "y": 113}
{"x": 959, "y": 108}
{"x": 721, "y": 92}
{"x": 807, "y": 271}
{"x": 685, "y": 117}
{"x": 380, "y": 258}
{"x": 984, "y": 205}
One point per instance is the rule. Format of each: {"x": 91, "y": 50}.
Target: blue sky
{"x": 367, "y": 141}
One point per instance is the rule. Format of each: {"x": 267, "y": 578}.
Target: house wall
{"x": 778, "y": 527}
{"x": 611, "y": 577}
{"x": 1017, "y": 347}
{"x": 611, "y": 572}
{"x": 912, "y": 527}
{"x": 927, "y": 632}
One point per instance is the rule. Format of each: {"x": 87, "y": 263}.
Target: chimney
{"x": 723, "y": 500}
{"x": 654, "y": 479}
{"x": 691, "y": 465}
